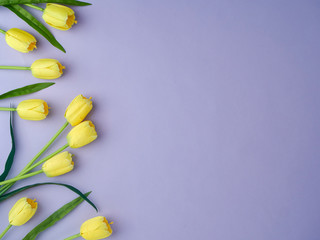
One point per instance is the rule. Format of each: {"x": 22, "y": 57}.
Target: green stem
{"x": 73, "y": 237}
{"x": 46, "y": 146}
{"x": 15, "y": 67}
{"x": 35, "y": 7}
{"x": 7, "y": 109}
{"x": 46, "y": 158}
{"x": 5, "y": 231}
{"x": 3, "y": 31}
{"x": 5, "y": 188}
{"x": 21, "y": 177}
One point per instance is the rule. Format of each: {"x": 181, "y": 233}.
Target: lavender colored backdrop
{"x": 207, "y": 114}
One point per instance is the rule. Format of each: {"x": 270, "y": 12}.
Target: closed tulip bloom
{"x": 82, "y": 134}
{"x": 95, "y": 228}
{"x": 47, "y": 68}
{"x": 22, "y": 211}
{"x": 58, "y": 165}
{"x": 20, "y": 40}
{"x": 59, "y": 16}
{"x": 33, "y": 109}
{"x": 78, "y": 109}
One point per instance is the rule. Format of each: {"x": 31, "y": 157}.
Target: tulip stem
{"x": 15, "y": 67}
{"x": 46, "y": 158}
{"x": 3, "y": 31}
{"x": 73, "y": 237}
{"x": 5, "y": 231}
{"x": 21, "y": 177}
{"x": 35, "y": 7}
{"x": 7, "y": 109}
{"x": 5, "y": 188}
{"x": 45, "y": 147}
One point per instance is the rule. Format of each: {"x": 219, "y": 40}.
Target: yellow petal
{"x": 58, "y": 165}
{"x": 33, "y": 109}
{"x": 22, "y": 211}
{"x": 82, "y": 134}
{"x": 47, "y": 68}
{"x": 20, "y": 40}
{"x": 95, "y": 228}
{"x": 78, "y": 109}
{"x": 59, "y": 16}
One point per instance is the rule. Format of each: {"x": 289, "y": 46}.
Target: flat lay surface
{"x": 207, "y": 115}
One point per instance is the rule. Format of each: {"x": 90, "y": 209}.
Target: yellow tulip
{"x": 22, "y": 211}
{"x": 78, "y": 109}
{"x": 95, "y": 228}
{"x": 82, "y": 134}
{"x": 20, "y": 40}
{"x": 47, "y": 68}
{"x": 33, "y": 109}
{"x": 59, "y": 16}
{"x": 58, "y": 165}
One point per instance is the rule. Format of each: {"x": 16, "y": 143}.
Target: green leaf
{"x": 53, "y": 218}
{"x": 10, "y": 194}
{"x": 67, "y": 2}
{"x": 10, "y": 158}
{"x": 26, "y": 90}
{"x": 33, "y": 22}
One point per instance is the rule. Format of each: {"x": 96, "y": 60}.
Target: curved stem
{"x": 5, "y": 231}
{"x": 35, "y": 7}
{"x": 3, "y": 31}
{"x": 15, "y": 67}
{"x": 73, "y": 236}
{"x": 7, "y": 109}
{"x": 46, "y": 158}
{"x": 21, "y": 177}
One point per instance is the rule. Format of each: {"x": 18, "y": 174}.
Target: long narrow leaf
{"x": 67, "y": 2}
{"x": 26, "y": 90}
{"x": 53, "y": 218}
{"x": 10, "y": 158}
{"x": 10, "y": 194}
{"x": 33, "y": 22}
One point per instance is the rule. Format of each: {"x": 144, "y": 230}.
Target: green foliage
{"x": 10, "y": 158}
{"x": 26, "y": 90}
{"x": 33, "y": 22}
{"x": 10, "y": 194}
{"x": 53, "y": 218}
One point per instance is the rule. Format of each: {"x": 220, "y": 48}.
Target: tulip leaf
{"x": 26, "y": 90}
{"x": 10, "y": 158}
{"x": 53, "y": 218}
{"x": 14, "y": 192}
{"x": 33, "y": 22}
{"x": 67, "y": 2}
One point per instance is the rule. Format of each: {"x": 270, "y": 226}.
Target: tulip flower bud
{"x": 22, "y": 211}
{"x": 95, "y": 228}
{"x": 82, "y": 134}
{"x": 59, "y": 16}
{"x": 46, "y": 68}
{"x": 58, "y": 165}
{"x": 33, "y": 109}
{"x": 20, "y": 40}
{"x": 78, "y": 109}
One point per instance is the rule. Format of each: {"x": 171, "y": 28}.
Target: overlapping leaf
{"x": 53, "y": 218}
{"x": 33, "y": 22}
{"x": 10, "y": 194}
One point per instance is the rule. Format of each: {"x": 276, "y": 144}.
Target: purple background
{"x": 207, "y": 114}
